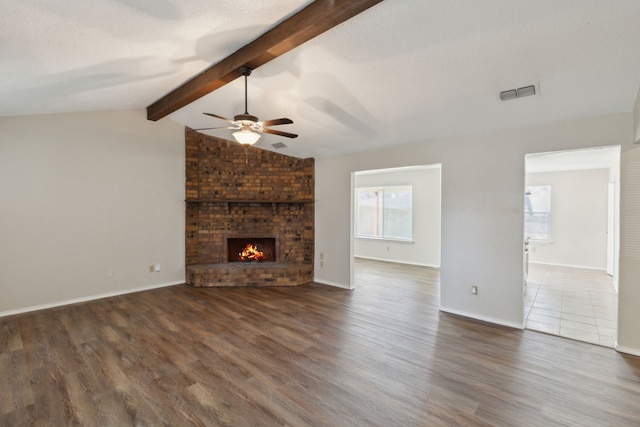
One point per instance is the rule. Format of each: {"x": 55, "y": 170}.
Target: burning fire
{"x": 251, "y": 253}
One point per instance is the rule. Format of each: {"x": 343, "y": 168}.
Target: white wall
{"x": 579, "y": 202}
{"x": 629, "y": 269}
{"x": 636, "y": 118}
{"x": 425, "y": 247}
{"x": 83, "y": 194}
{"x": 629, "y": 284}
{"x": 482, "y": 210}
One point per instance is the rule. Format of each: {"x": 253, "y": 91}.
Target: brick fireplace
{"x": 237, "y": 198}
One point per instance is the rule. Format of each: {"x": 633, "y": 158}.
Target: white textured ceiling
{"x": 404, "y": 71}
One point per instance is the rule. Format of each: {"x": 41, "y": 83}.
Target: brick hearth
{"x": 254, "y": 193}
{"x": 234, "y": 274}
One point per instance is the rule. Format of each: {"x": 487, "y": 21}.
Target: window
{"x": 537, "y": 212}
{"x": 384, "y": 212}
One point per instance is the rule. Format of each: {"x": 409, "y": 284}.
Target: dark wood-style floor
{"x": 381, "y": 355}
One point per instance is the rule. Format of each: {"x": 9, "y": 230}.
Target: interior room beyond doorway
{"x": 397, "y": 215}
{"x": 572, "y": 226}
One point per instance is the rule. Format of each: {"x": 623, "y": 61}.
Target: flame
{"x": 251, "y": 253}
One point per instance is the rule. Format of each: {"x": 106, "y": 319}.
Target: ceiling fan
{"x": 247, "y": 125}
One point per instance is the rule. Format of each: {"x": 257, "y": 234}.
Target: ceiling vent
{"x": 517, "y": 93}
{"x": 279, "y": 145}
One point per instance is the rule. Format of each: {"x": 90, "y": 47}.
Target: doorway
{"x": 572, "y": 222}
{"x": 396, "y": 216}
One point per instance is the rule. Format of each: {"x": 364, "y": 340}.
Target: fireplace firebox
{"x": 252, "y": 249}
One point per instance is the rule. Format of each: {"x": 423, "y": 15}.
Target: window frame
{"x": 545, "y": 213}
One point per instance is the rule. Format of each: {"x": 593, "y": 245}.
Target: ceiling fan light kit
{"x": 247, "y": 126}
{"x": 246, "y": 137}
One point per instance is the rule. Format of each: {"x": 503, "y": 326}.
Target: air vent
{"x": 517, "y": 93}
{"x": 279, "y": 145}
{"x": 508, "y": 94}
{"x": 526, "y": 91}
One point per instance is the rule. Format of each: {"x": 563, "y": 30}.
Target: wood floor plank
{"x": 314, "y": 355}
{"x": 10, "y": 338}
{"x": 14, "y": 394}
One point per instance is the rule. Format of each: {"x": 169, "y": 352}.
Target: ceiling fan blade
{"x": 274, "y": 122}
{"x": 219, "y": 117}
{"x": 219, "y": 127}
{"x": 277, "y": 132}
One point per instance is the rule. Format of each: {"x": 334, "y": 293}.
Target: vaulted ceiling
{"x": 403, "y": 71}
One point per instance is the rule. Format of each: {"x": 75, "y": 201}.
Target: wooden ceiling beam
{"x": 313, "y": 20}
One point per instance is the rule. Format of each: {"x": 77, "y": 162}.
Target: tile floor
{"x": 574, "y": 303}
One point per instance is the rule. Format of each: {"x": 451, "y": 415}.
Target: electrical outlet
{"x": 156, "y": 268}
{"x": 321, "y": 256}
{"x": 321, "y": 264}
{"x": 152, "y": 268}
{"x": 474, "y": 290}
{"x": 388, "y": 248}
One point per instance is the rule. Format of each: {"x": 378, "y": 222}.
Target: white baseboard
{"x": 585, "y": 267}
{"x": 483, "y": 318}
{"x": 328, "y": 283}
{"x": 88, "y": 298}
{"x": 397, "y": 261}
{"x": 626, "y": 350}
